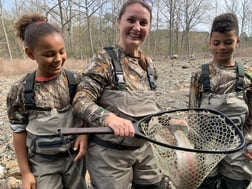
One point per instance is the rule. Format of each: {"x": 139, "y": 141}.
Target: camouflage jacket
{"x": 48, "y": 94}
{"x": 98, "y": 75}
{"x": 223, "y": 81}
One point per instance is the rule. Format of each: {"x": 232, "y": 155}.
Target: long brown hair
{"x": 130, "y": 2}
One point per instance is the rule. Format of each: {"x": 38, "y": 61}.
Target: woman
{"x": 111, "y": 98}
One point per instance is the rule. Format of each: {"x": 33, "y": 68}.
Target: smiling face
{"x": 49, "y": 53}
{"x": 133, "y": 26}
{"x": 223, "y": 45}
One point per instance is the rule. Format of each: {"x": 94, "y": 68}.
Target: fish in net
{"x": 206, "y": 132}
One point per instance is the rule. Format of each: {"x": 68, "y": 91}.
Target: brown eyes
{"x": 141, "y": 22}
{"x": 228, "y": 42}
{"x": 51, "y": 54}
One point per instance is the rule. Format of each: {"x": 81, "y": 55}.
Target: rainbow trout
{"x": 186, "y": 161}
{"x": 175, "y": 132}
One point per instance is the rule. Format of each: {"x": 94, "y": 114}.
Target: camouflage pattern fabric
{"x": 48, "y": 94}
{"x": 223, "y": 81}
{"x": 99, "y": 74}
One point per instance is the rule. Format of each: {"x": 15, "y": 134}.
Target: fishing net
{"x": 208, "y": 133}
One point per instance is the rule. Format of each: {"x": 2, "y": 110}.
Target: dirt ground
{"x": 173, "y": 87}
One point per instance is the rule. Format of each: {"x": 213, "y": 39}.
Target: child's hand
{"x": 249, "y": 156}
{"x": 28, "y": 181}
{"x": 249, "y": 152}
{"x": 80, "y": 144}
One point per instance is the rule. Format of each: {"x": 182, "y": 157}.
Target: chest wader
{"x": 234, "y": 106}
{"x": 42, "y": 138}
{"x": 139, "y": 165}
{"x": 131, "y": 105}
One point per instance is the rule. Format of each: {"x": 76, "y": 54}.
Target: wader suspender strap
{"x": 240, "y": 77}
{"x": 117, "y": 66}
{"x": 29, "y": 92}
{"x": 205, "y": 79}
{"x": 119, "y": 73}
{"x": 150, "y": 75}
{"x": 72, "y": 86}
{"x": 29, "y": 89}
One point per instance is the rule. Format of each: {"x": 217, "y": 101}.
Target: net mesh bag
{"x": 206, "y": 132}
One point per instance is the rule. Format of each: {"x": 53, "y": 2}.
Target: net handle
{"x": 108, "y": 130}
{"x": 97, "y": 130}
{"x": 85, "y": 130}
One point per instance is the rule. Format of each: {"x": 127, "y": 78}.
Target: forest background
{"x": 179, "y": 27}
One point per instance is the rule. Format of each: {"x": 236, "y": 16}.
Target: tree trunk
{"x": 6, "y": 38}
